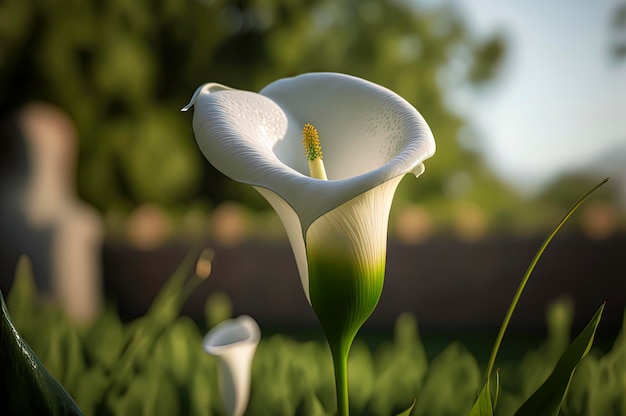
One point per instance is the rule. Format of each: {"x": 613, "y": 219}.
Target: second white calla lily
{"x": 370, "y": 137}
{"x": 233, "y": 342}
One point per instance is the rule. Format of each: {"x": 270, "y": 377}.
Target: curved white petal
{"x": 369, "y": 135}
{"x": 291, "y": 222}
{"x": 205, "y": 88}
{"x": 234, "y": 343}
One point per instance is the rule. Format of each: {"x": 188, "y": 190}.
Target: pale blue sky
{"x": 560, "y": 100}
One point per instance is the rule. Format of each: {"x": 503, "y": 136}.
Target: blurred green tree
{"x": 618, "y": 31}
{"x": 123, "y": 69}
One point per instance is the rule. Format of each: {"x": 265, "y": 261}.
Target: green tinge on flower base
{"x": 343, "y": 297}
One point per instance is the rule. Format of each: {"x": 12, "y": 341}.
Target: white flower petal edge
{"x": 369, "y": 135}
{"x": 233, "y": 342}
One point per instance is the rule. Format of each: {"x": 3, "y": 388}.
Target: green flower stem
{"x": 340, "y": 362}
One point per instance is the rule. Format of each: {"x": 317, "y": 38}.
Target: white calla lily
{"x": 233, "y": 342}
{"x": 370, "y": 137}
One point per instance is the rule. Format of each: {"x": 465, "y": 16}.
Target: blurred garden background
{"x": 104, "y": 189}
{"x": 527, "y": 104}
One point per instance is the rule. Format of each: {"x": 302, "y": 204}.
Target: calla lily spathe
{"x": 371, "y": 137}
{"x": 234, "y": 342}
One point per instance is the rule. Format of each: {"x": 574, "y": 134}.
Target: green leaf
{"x": 408, "y": 411}
{"x": 451, "y": 383}
{"x": 529, "y": 271}
{"x": 201, "y": 391}
{"x": 23, "y": 290}
{"x": 105, "y": 340}
{"x": 145, "y": 331}
{"x": 166, "y": 306}
{"x": 151, "y": 392}
{"x": 311, "y": 406}
{"x": 497, "y": 392}
{"x": 547, "y": 400}
{"x": 89, "y": 393}
{"x": 217, "y": 308}
{"x": 483, "y": 406}
{"x": 26, "y": 385}
{"x": 400, "y": 369}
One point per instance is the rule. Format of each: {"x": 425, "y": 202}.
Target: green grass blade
{"x": 497, "y": 392}
{"x": 22, "y": 297}
{"x": 547, "y": 400}
{"x": 408, "y": 411}
{"x": 166, "y": 305}
{"x": 483, "y": 406}
{"x": 531, "y": 267}
{"x": 161, "y": 315}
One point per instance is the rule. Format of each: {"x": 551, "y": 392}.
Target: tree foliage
{"x": 123, "y": 69}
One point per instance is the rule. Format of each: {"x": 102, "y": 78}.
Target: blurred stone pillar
{"x": 50, "y": 202}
